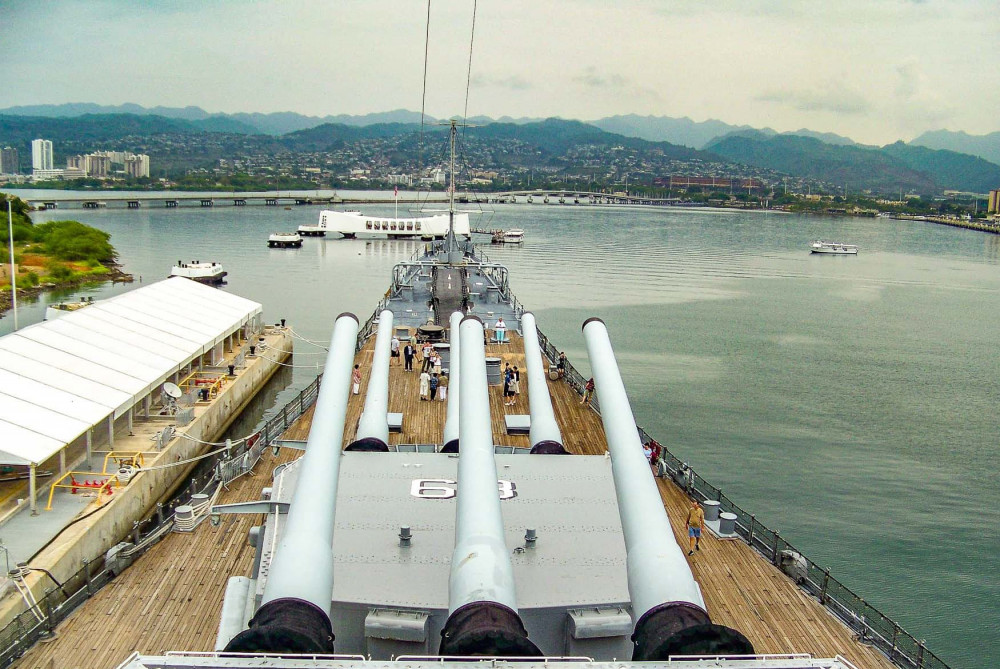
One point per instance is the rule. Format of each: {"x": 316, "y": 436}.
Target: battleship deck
{"x": 171, "y": 598}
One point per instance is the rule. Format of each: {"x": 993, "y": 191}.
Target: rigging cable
{"x": 423, "y": 98}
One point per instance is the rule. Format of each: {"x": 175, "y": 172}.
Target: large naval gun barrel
{"x": 482, "y": 602}
{"x": 667, "y": 605}
{"x": 449, "y": 442}
{"x": 294, "y": 615}
{"x": 544, "y": 432}
{"x": 373, "y": 428}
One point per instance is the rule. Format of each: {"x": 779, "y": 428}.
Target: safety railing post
{"x": 86, "y": 576}
{"x": 753, "y": 521}
{"x": 826, "y": 584}
{"x": 775, "y": 558}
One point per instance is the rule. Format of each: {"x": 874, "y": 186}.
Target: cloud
{"x": 827, "y": 100}
{"x": 613, "y": 85}
{"x": 511, "y": 82}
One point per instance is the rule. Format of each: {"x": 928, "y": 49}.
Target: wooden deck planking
{"x": 171, "y": 599}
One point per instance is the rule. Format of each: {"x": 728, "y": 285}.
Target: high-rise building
{"x": 10, "y": 162}
{"x": 994, "y": 204}
{"x": 41, "y": 154}
{"x": 97, "y": 165}
{"x": 137, "y": 165}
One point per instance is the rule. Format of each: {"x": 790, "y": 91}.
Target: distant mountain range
{"x": 886, "y": 169}
{"x": 927, "y": 165}
{"x": 986, "y": 147}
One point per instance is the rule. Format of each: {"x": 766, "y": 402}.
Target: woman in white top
{"x": 425, "y": 385}
{"x": 501, "y": 330}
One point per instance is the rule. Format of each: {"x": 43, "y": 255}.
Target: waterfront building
{"x": 75, "y": 162}
{"x": 994, "y": 203}
{"x": 44, "y": 175}
{"x": 9, "y": 161}
{"x": 41, "y": 154}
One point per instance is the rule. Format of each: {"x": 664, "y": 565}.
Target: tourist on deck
{"x": 561, "y": 365}
{"x": 356, "y": 379}
{"x": 588, "y": 391}
{"x": 434, "y": 386}
{"x": 443, "y": 387}
{"x": 695, "y": 521}
{"x": 515, "y": 384}
{"x": 501, "y": 330}
{"x": 409, "y": 352}
{"x": 394, "y": 349}
{"x": 508, "y": 390}
{"x": 425, "y": 385}
{"x": 436, "y": 364}
{"x": 427, "y": 351}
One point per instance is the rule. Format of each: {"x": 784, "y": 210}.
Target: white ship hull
{"x": 202, "y": 272}
{"x": 352, "y": 224}
{"x": 834, "y": 248}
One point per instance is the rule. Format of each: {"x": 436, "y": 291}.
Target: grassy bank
{"x": 52, "y": 255}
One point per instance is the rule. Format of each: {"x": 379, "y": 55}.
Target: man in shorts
{"x": 695, "y": 522}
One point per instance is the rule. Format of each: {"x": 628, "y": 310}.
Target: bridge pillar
{"x": 207, "y": 203}
{"x": 134, "y": 204}
{"x": 239, "y": 203}
{"x": 170, "y": 204}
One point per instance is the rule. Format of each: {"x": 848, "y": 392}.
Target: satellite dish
{"x": 172, "y": 390}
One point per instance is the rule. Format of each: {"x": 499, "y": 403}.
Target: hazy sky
{"x": 875, "y": 70}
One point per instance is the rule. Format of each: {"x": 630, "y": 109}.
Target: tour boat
{"x": 202, "y": 272}
{"x": 834, "y": 248}
{"x": 284, "y": 240}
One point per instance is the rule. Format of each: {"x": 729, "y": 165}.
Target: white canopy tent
{"x": 61, "y": 378}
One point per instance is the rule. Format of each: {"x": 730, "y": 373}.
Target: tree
{"x": 72, "y": 240}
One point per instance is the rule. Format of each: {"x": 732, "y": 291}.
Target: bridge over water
{"x": 66, "y": 200}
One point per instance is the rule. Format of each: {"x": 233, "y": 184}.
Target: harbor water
{"x": 847, "y": 401}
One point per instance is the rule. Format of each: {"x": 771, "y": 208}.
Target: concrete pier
{"x": 89, "y": 533}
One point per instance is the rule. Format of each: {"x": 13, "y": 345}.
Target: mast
{"x": 451, "y": 245}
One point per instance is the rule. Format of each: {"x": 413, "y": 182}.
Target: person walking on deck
{"x": 588, "y": 391}
{"x": 425, "y": 385}
{"x": 443, "y": 387}
{"x": 695, "y": 521}
{"x": 409, "y": 352}
{"x": 428, "y": 352}
{"x": 434, "y": 386}
{"x": 356, "y": 380}
{"x": 394, "y": 349}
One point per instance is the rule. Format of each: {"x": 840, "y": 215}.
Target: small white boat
{"x": 54, "y": 311}
{"x": 315, "y": 230}
{"x": 834, "y": 248}
{"x": 512, "y": 236}
{"x": 202, "y": 272}
{"x": 284, "y": 240}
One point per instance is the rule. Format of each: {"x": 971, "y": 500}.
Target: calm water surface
{"x": 848, "y": 401}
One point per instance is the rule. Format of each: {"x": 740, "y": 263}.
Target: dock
{"x": 171, "y": 598}
{"x": 92, "y": 409}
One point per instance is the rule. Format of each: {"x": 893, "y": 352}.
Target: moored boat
{"x": 511, "y": 236}
{"x": 313, "y": 230}
{"x": 202, "y": 272}
{"x": 834, "y": 248}
{"x": 284, "y": 240}
{"x": 60, "y": 309}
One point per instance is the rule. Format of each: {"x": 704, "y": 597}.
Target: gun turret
{"x": 544, "y": 432}
{"x": 667, "y": 606}
{"x": 482, "y": 603}
{"x": 373, "y": 428}
{"x": 294, "y": 616}
{"x": 449, "y": 443}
